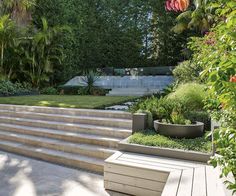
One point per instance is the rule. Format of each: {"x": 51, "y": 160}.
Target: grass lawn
{"x": 73, "y": 101}
{"x": 151, "y": 138}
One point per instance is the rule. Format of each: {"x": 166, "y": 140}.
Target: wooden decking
{"x": 199, "y": 181}
{"x": 141, "y": 175}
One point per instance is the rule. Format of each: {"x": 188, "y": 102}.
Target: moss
{"x": 151, "y": 138}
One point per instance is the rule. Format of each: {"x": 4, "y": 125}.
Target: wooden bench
{"x": 144, "y": 175}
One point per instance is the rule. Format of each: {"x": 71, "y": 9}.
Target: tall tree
{"x": 19, "y": 10}
{"x": 7, "y": 35}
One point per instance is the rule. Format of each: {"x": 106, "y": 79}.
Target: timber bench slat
{"x": 135, "y": 172}
{"x": 214, "y": 187}
{"x": 159, "y": 159}
{"x": 172, "y": 183}
{"x": 199, "y": 182}
{"x": 145, "y": 175}
{"x": 186, "y": 182}
{"x": 138, "y": 182}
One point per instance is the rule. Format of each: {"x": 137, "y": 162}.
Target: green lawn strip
{"x": 72, "y": 101}
{"x": 151, "y": 138}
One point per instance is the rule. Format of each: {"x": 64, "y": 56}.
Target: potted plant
{"x": 173, "y": 122}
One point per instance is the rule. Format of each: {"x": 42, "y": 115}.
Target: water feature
{"x": 110, "y": 82}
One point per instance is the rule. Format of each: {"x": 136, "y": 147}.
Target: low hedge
{"x": 69, "y": 90}
{"x": 80, "y": 90}
{"x": 8, "y": 88}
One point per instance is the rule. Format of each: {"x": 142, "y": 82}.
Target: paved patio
{"x": 21, "y": 176}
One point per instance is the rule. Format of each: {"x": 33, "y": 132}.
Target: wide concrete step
{"x": 60, "y": 145}
{"x": 127, "y": 94}
{"x": 73, "y": 127}
{"x": 54, "y": 156}
{"x": 101, "y": 121}
{"x": 111, "y": 142}
{"x": 67, "y": 111}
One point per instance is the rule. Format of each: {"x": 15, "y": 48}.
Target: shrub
{"x": 177, "y": 107}
{"x": 69, "y": 90}
{"x": 200, "y": 116}
{"x": 90, "y": 78}
{"x": 99, "y": 91}
{"x": 49, "y": 91}
{"x": 96, "y": 91}
{"x": 186, "y": 72}
{"x": 190, "y": 95}
{"x": 149, "y": 117}
{"x": 172, "y": 111}
{"x": 7, "y": 88}
{"x": 147, "y": 105}
{"x": 167, "y": 90}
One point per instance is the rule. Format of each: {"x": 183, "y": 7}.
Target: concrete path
{"x": 21, "y": 176}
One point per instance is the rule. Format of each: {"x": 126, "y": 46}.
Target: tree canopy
{"x": 114, "y": 33}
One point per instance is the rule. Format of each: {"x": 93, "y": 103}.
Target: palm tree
{"x": 7, "y": 35}
{"x": 43, "y": 53}
{"x": 19, "y": 10}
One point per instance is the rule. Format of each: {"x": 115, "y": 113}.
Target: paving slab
{"x": 21, "y": 176}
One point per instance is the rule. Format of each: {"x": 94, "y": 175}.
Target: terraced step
{"x": 72, "y": 137}
{"x": 100, "y": 121}
{"x": 55, "y": 144}
{"x": 64, "y": 135}
{"x": 63, "y": 158}
{"x": 72, "y": 127}
{"x": 67, "y": 111}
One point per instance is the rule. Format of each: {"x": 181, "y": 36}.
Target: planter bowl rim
{"x": 179, "y": 125}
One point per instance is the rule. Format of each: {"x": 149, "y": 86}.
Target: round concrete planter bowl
{"x": 180, "y": 131}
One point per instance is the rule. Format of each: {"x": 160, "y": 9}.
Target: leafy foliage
{"x": 225, "y": 138}
{"x": 7, "y": 35}
{"x": 113, "y": 33}
{"x": 197, "y": 18}
{"x": 8, "y": 88}
{"x": 190, "y": 95}
{"x": 218, "y": 48}
{"x": 186, "y": 72}
{"x": 146, "y": 105}
{"x": 49, "y": 91}
{"x": 90, "y": 78}
{"x": 176, "y": 107}
{"x": 27, "y": 53}
{"x": 19, "y": 10}
{"x": 42, "y": 53}
{"x": 200, "y": 116}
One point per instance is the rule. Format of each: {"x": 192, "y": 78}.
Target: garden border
{"x": 124, "y": 145}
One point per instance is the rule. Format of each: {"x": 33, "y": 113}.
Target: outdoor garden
{"x": 45, "y": 43}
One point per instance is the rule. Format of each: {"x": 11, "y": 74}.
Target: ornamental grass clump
{"x": 190, "y": 95}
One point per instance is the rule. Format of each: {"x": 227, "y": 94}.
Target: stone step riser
{"x": 64, "y": 111}
{"x": 127, "y": 94}
{"x": 68, "y": 138}
{"x": 66, "y": 127}
{"x": 100, "y": 122}
{"x": 54, "y": 146}
{"x": 54, "y": 158}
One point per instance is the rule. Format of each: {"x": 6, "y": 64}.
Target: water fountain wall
{"x": 146, "y": 84}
